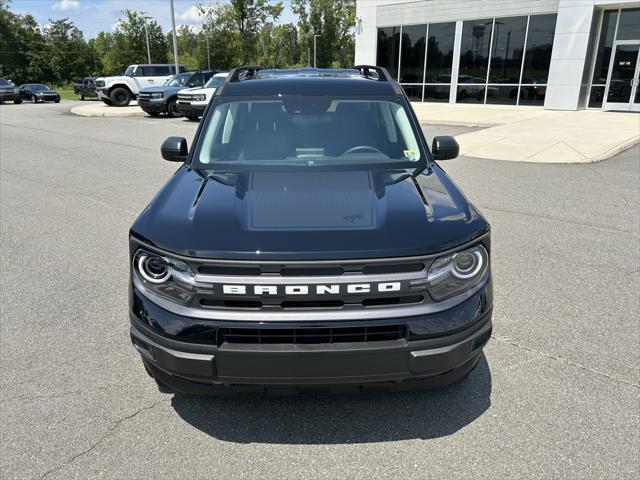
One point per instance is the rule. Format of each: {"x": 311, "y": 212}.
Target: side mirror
{"x": 444, "y": 148}
{"x": 174, "y": 149}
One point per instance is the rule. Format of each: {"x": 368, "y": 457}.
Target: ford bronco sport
{"x": 309, "y": 240}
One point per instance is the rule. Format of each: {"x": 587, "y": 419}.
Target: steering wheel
{"x": 362, "y": 147}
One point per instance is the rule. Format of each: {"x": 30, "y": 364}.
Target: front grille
{"x": 288, "y": 304}
{"x": 341, "y": 286}
{"x": 144, "y": 96}
{"x": 186, "y": 98}
{"x": 311, "y": 336}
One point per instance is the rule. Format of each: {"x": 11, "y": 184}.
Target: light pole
{"x": 208, "y": 55}
{"x": 175, "y": 41}
{"x": 146, "y": 34}
{"x": 314, "y": 49}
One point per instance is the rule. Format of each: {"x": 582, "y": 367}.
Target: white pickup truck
{"x": 120, "y": 90}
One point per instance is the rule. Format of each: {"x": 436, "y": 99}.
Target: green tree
{"x": 236, "y": 29}
{"x": 127, "y": 44}
{"x": 69, "y": 57}
{"x": 334, "y": 21}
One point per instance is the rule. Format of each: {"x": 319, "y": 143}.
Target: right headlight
{"x": 168, "y": 277}
{"x": 457, "y": 272}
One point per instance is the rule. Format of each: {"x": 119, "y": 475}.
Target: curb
{"x": 626, "y": 145}
{"x": 106, "y": 111}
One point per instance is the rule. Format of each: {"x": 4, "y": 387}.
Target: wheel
{"x": 172, "y": 109}
{"x": 34, "y": 99}
{"x": 80, "y": 96}
{"x": 120, "y": 97}
{"x": 192, "y": 118}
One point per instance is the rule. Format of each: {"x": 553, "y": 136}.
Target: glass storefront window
{"x": 470, "y": 93}
{"x": 597, "y": 96}
{"x": 537, "y": 56}
{"x": 436, "y": 93}
{"x": 629, "y": 24}
{"x": 605, "y": 44}
{"x": 507, "y": 49}
{"x": 412, "y": 53}
{"x": 532, "y": 95}
{"x": 474, "y": 51}
{"x": 414, "y": 92}
{"x": 502, "y": 94}
{"x": 490, "y": 64}
{"x": 440, "y": 52}
{"x": 388, "y": 49}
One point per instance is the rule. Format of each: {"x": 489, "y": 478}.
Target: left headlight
{"x": 156, "y": 95}
{"x": 199, "y": 98}
{"x": 457, "y": 272}
{"x": 168, "y": 277}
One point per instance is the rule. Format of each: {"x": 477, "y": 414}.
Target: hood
{"x": 197, "y": 90}
{"x": 162, "y": 89}
{"x": 308, "y": 215}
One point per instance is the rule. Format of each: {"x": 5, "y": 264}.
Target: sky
{"x": 93, "y": 16}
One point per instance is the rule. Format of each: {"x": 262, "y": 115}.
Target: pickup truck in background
{"x": 85, "y": 88}
{"x": 118, "y": 91}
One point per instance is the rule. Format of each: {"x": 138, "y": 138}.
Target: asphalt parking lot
{"x": 555, "y": 396}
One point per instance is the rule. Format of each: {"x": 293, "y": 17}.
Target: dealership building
{"x": 560, "y": 54}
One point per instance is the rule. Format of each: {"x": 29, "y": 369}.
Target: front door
{"x": 622, "y": 85}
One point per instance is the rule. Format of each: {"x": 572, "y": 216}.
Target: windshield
{"x": 308, "y": 132}
{"x": 129, "y": 71}
{"x": 179, "y": 80}
{"x": 214, "y": 82}
{"x": 38, "y": 87}
{"x": 3, "y": 82}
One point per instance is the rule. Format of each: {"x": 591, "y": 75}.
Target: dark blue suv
{"x": 309, "y": 240}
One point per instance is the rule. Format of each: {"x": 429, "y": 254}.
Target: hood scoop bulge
{"x": 310, "y": 201}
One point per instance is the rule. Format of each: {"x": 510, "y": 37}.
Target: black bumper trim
{"x": 354, "y": 364}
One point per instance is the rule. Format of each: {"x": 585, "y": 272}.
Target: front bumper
{"x": 191, "y": 360}
{"x": 190, "y": 109}
{"x": 102, "y": 93}
{"x": 158, "y": 105}
{"x": 4, "y": 96}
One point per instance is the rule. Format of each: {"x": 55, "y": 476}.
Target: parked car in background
{"x": 38, "y": 92}
{"x": 193, "y": 101}
{"x": 163, "y": 99}
{"x": 8, "y": 91}
{"x": 86, "y": 88}
{"x": 118, "y": 91}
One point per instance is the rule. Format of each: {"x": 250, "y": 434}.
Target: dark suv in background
{"x": 163, "y": 98}
{"x": 309, "y": 240}
{"x": 8, "y": 91}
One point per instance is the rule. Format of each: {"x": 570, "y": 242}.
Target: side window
{"x": 162, "y": 71}
{"x": 197, "y": 80}
{"x": 206, "y": 76}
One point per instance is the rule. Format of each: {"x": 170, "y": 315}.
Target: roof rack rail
{"x": 381, "y": 72}
{"x": 238, "y": 74}
{"x": 243, "y": 73}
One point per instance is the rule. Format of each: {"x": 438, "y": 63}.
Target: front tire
{"x": 120, "y": 97}
{"x": 173, "y": 110}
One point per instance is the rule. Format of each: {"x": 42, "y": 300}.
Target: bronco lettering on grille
{"x": 331, "y": 289}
